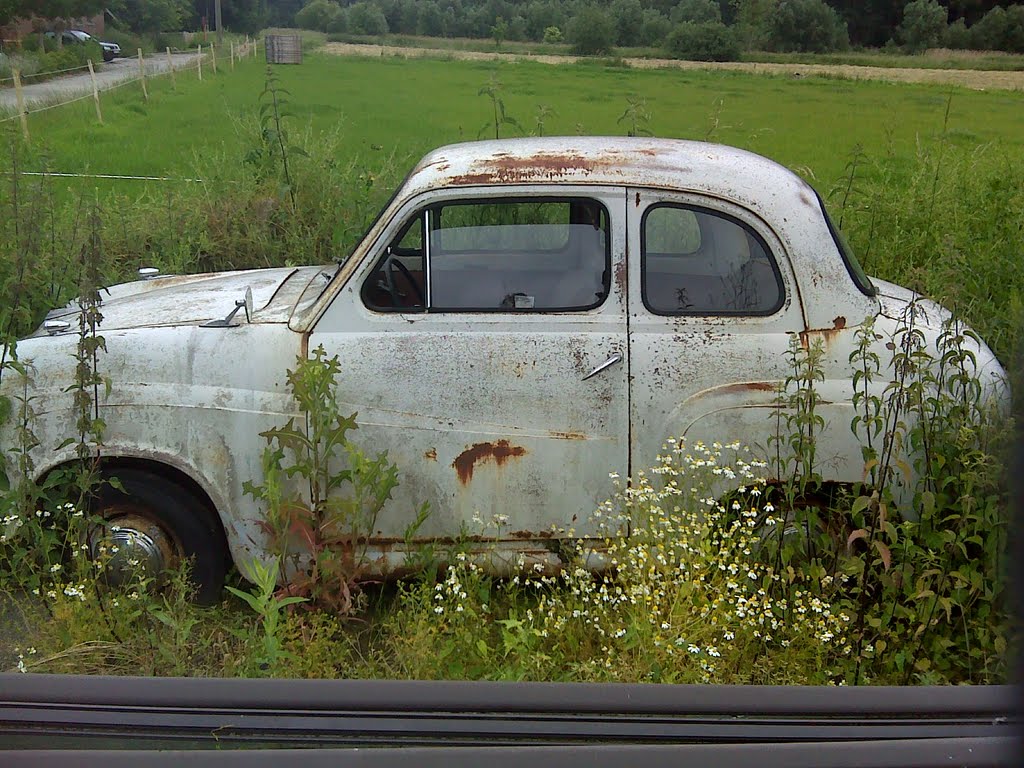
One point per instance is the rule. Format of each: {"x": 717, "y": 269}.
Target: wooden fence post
{"x": 199, "y": 59}
{"x": 213, "y": 57}
{"x": 170, "y": 68}
{"x": 95, "y": 92}
{"x": 20, "y": 99}
{"x": 232, "y": 49}
{"x": 142, "y": 76}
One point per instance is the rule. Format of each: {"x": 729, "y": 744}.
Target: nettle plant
{"x": 321, "y": 491}
{"x": 920, "y": 544}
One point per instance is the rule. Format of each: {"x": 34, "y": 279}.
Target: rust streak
{"x": 828, "y": 335}
{"x": 499, "y": 452}
{"x": 747, "y": 386}
{"x": 568, "y": 436}
{"x": 620, "y": 277}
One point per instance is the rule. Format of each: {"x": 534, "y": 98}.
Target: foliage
{"x": 553, "y": 34}
{"x": 1000, "y": 30}
{"x": 316, "y": 529}
{"x": 319, "y": 15}
{"x": 591, "y": 32}
{"x": 274, "y": 146}
{"x": 493, "y": 90}
{"x": 697, "y": 11}
{"x": 151, "y": 16}
{"x": 806, "y": 25}
{"x": 269, "y": 607}
{"x": 923, "y": 25}
{"x": 709, "y": 41}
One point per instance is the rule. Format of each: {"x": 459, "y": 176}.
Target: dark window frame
{"x": 749, "y": 230}
{"x": 434, "y": 207}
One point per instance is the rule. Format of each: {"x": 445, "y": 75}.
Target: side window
{"x": 518, "y": 255}
{"x": 495, "y": 256}
{"x": 700, "y": 262}
{"x": 397, "y": 282}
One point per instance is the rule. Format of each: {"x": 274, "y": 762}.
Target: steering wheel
{"x": 392, "y": 263}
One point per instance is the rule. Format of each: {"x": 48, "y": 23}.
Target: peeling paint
{"x": 431, "y": 454}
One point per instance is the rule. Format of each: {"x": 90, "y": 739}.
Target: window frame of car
{"x": 707, "y": 209}
{"x": 421, "y": 215}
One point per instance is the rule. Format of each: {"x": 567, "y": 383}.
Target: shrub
{"x": 655, "y": 28}
{"x": 712, "y": 41}
{"x": 129, "y": 42}
{"x": 592, "y": 32}
{"x": 1000, "y": 30}
{"x": 806, "y": 26}
{"x": 958, "y": 36}
{"x": 366, "y": 19}
{"x": 553, "y": 35}
{"x": 697, "y": 11}
{"x": 923, "y": 25}
{"x": 318, "y": 15}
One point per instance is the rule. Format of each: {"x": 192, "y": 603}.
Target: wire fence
{"x": 148, "y": 68}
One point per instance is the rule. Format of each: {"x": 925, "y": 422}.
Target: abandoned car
{"x": 523, "y": 318}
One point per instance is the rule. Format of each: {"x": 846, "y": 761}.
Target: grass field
{"x": 929, "y": 185}
{"x": 409, "y": 107}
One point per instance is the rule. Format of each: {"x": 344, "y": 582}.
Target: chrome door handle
{"x": 616, "y": 358}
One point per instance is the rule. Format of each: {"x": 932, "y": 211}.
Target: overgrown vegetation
{"x": 867, "y": 585}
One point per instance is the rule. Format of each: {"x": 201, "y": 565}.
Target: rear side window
{"x": 496, "y": 256}
{"x": 701, "y": 262}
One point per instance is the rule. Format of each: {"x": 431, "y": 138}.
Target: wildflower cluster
{"x": 686, "y": 579}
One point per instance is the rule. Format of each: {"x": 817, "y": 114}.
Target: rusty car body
{"x": 522, "y": 319}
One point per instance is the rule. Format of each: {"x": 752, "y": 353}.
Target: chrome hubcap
{"x": 132, "y": 545}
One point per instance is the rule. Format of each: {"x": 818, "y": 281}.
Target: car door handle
{"x": 616, "y": 358}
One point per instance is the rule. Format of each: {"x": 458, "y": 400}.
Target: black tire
{"x": 191, "y": 526}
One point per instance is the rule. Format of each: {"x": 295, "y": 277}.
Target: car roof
{"x": 674, "y": 164}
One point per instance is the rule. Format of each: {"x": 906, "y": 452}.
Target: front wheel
{"x": 155, "y": 524}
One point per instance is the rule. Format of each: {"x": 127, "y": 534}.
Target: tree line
{"x": 693, "y": 28}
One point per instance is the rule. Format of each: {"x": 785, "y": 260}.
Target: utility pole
{"x": 220, "y": 25}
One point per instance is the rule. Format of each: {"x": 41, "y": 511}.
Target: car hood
{"x": 196, "y": 299}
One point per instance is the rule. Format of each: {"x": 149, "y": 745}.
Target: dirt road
{"x": 968, "y": 78}
{"x": 72, "y": 86}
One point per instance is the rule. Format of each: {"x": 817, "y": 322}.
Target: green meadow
{"x": 408, "y": 106}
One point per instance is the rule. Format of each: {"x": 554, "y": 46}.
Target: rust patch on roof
{"x": 499, "y": 452}
{"x": 503, "y": 168}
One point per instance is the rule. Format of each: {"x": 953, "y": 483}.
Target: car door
{"x": 713, "y": 306}
{"x": 483, "y": 344}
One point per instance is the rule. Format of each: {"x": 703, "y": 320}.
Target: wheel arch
{"x": 108, "y": 466}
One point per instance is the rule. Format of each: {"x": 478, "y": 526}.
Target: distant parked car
{"x": 78, "y": 37}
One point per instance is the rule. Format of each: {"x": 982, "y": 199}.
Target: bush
{"x": 366, "y": 19}
{"x": 958, "y": 36}
{"x": 317, "y": 15}
{"x": 592, "y": 32}
{"x": 808, "y": 26}
{"x": 129, "y": 42}
{"x": 710, "y": 41}
{"x": 697, "y": 11}
{"x": 655, "y": 28}
{"x": 553, "y": 35}
{"x": 1000, "y": 30}
{"x": 923, "y": 25}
